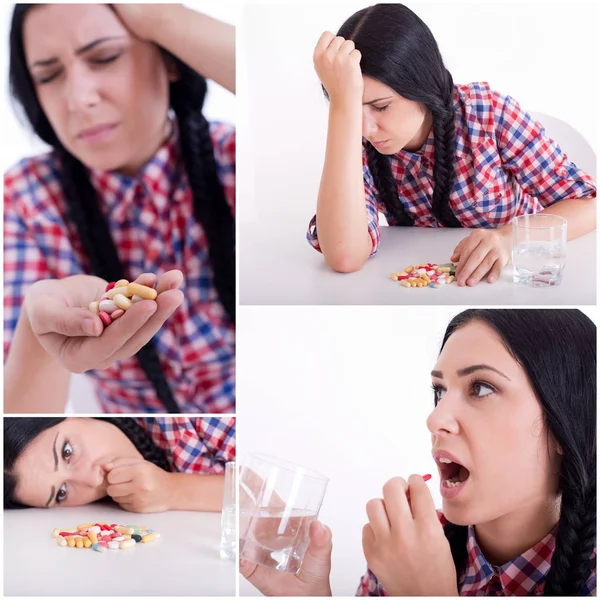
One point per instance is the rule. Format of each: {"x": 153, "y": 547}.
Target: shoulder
{"x": 31, "y": 174}
{"x": 223, "y": 136}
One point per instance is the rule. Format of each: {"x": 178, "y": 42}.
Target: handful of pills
{"x": 103, "y": 536}
{"x": 118, "y": 297}
{"x": 427, "y": 275}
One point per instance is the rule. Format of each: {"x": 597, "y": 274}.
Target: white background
{"x": 345, "y": 391}
{"x": 544, "y": 55}
{"x": 18, "y": 141}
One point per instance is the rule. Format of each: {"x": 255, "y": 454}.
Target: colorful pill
{"x": 126, "y": 544}
{"x": 118, "y": 290}
{"x": 87, "y": 543}
{"x": 110, "y": 286}
{"x": 121, "y": 301}
{"x": 118, "y": 313}
{"x": 93, "y": 537}
{"x": 79, "y": 542}
{"x": 127, "y": 529}
{"x": 98, "y": 548}
{"x": 149, "y": 537}
{"x": 118, "y": 538}
{"x": 105, "y": 318}
{"x": 108, "y": 306}
{"x": 136, "y": 538}
{"x": 71, "y": 541}
{"x": 122, "y": 283}
{"x": 113, "y": 545}
{"x": 143, "y": 291}
{"x": 94, "y": 307}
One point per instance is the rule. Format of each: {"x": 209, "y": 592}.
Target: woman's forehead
{"x": 50, "y": 28}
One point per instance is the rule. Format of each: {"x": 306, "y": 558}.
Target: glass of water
{"x": 228, "y": 515}
{"x": 278, "y": 502}
{"x": 539, "y": 249}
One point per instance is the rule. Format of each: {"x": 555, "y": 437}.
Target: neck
{"x": 163, "y": 134}
{"x": 510, "y": 535}
{"x": 421, "y": 137}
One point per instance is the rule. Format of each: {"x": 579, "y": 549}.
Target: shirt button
{"x": 563, "y": 172}
{"x": 499, "y": 195}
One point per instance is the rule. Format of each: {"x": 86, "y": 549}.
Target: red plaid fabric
{"x": 199, "y": 445}
{"x": 523, "y": 576}
{"x": 152, "y": 223}
{"x": 505, "y": 166}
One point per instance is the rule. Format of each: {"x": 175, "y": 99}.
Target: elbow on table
{"x": 345, "y": 262}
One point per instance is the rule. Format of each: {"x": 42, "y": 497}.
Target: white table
{"x": 281, "y": 268}
{"x": 184, "y": 561}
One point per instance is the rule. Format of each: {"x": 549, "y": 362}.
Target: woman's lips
{"x": 451, "y": 492}
{"x": 100, "y": 133}
{"x": 380, "y": 144}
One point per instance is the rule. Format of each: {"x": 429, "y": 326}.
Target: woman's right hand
{"x": 311, "y": 580}
{"x": 76, "y": 338}
{"x": 337, "y": 63}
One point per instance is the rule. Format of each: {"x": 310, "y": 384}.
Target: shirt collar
{"x": 159, "y": 178}
{"x": 520, "y": 576}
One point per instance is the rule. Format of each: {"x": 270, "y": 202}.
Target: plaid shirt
{"x": 523, "y": 576}
{"x": 199, "y": 445}
{"x": 152, "y": 223}
{"x": 505, "y": 166}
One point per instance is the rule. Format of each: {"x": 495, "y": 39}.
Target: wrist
{"x": 162, "y": 21}
{"x": 347, "y": 105}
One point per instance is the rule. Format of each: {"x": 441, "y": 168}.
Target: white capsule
{"x": 113, "y": 545}
{"x": 108, "y": 306}
{"x": 135, "y": 298}
{"x": 119, "y": 538}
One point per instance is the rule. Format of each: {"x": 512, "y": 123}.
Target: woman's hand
{"x": 76, "y": 338}
{"x": 483, "y": 252}
{"x": 337, "y": 63}
{"x": 144, "y": 19}
{"x": 311, "y": 580}
{"x": 404, "y": 542}
{"x": 139, "y": 485}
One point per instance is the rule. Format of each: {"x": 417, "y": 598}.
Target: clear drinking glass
{"x": 539, "y": 249}
{"x": 228, "y": 516}
{"x": 278, "y": 502}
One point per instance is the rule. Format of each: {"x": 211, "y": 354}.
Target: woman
{"x": 515, "y": 406}
{"x": 137, "y": 182}
{"x": 145, "y": 464}
{"x": 434, "y": 154}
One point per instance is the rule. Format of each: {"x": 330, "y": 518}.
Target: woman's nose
{"x": 81, "y": 90}
{"x": 89, "y": 476}
{"x": 369, "y": 126}
{"x": 443, "y": 420}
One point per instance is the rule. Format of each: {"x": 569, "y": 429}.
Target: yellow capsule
{"x": 79, "y": 542}
{"x": 87, "y": 543}
{"x": 86, "y": 526}
{"x": 409, "y": 269}
{"x": 149, "y": 537}
{"x": 143, "y": 291}
{"x": 61, "y": 541}
{"x": 122, "y": 283}
{"x": 413, "y": 284}
{"x": 121, "y": 290}
{"x": 93, "y": 537}
{"x": 71, "y": 541}
{"x": 128, "y": 543}
{"x": 444, "y": 269}
{"x": 425, "y": 278}
{"x": 450, "y": 279}
{"x": 94, "y": 307}
{"x": 394, "y": 277}
{"x": 124, "y": 530}
{"x": 405, "y": 283}
{"x": 121, "y": 301}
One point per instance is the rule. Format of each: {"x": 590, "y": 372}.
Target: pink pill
{"x": 117, "y": 313}
{"x": 105, "y": 317}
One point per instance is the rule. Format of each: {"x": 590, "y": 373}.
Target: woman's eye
{"x": 106, "y": 60}
{"x": 61, "y": 494}
{"x": 480, "y": 390}
{"x": 67, "y": 451}
{"x": 438, "y": 393}
{"x": 48, "y": 79}
{"x": 380, "y": 108}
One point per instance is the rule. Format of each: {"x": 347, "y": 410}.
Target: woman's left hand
{"x": 483, "y": 252}
{"x": 143, "y": 19}
{"x": 404, "y": 542}
{"x": 139, "y": 485}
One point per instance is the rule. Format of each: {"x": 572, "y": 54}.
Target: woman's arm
{"x": 33, "y": 381}
{"x": 207, "y": 45}
{"x": 341, "y": 210}
{"x": 197, "y": 492}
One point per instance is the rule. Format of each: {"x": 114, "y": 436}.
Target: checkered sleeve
{"x": 199, "y": 445}
{"x": 223, "y": 136}
{"x": 589, "y": 589}
{"x": 538, "y": 164}
{"x": 372, "y": 212}
{"x": 24, "y": 261}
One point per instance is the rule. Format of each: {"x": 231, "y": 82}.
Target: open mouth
{"x": 452, "y": 473}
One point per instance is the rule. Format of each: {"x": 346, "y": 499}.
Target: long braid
{"x": 210, "y": 206}
{"x": 457, "y": 537}
{"x": 444, "y": 152}
{"x": 387, "y": 186}
{"x": 140, "y": 439}
{"x": 101, "y": 251}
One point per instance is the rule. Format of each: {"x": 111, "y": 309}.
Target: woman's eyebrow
{"x": 469, "y": 370}
{"x": 53, "y": 490}
{"x": 377, "y": 100}
{"x": 50, "y": 61}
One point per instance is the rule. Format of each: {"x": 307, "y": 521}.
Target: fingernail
{"x": 89, "y": 326}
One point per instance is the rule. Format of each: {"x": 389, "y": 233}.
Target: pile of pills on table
{"x": 118, "y": 297}
{"x": 427, "y": 275}
{"x": 103, "y": 536}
